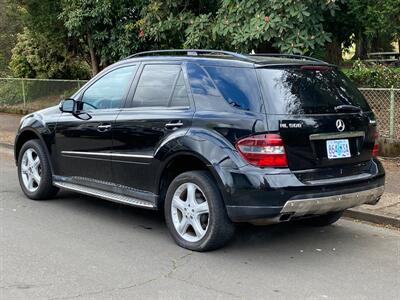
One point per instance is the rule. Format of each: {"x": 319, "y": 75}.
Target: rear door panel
{"x": 140, "y": 130}
{"x": 137, "y": 134}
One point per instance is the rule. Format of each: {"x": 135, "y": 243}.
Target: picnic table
{"x": 386, "y": 58}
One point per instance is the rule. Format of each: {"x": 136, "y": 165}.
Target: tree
{"x": 341, "y": 25}
{"x": 36, "y": 56}
{"x": 44, "y": 49}
{"x": 10, "y": 26}
{"x": 377, "y": 24}
{"x": 103, "y": 29}
{"x": 286, "y": 26}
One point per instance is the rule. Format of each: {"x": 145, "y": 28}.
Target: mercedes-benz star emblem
{"x": 340, "y": 125}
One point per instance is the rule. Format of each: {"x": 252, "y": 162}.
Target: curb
{"x": 375, "y": 217}
{"x": 6, "y": 145}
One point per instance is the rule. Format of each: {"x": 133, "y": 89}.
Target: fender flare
{"x": 39, "y": 137}
{"x": 208, "y": 147}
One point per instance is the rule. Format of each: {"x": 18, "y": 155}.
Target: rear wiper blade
{"x": 346, "y": 107}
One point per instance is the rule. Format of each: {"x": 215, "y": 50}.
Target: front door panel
{"x": 83, "y": 147}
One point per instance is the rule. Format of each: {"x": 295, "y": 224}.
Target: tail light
{"x": 376, "y": 146}
{"x": 263, "y": 150}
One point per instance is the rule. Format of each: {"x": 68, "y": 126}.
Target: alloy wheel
{"x": 190, "y": 212}
{"x": 31, "y": 171}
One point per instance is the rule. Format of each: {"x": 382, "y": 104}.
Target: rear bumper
{"x": 305, "y": 207}
{"x": 321, "y": 205}
{"x": 280, "y": 197}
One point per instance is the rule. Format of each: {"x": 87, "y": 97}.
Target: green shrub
{"x": 375, "y": 76}
{"x": 34, "y": 56}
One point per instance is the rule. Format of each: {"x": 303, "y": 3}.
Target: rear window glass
{"x": 296, "y": 91}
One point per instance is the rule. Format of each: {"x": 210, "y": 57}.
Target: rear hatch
{"x": 326, "y": 124}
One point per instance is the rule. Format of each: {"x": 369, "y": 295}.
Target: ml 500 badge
{"x": 290, "y": 124}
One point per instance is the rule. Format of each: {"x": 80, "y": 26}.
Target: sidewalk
{"x": 8, "y": 127}
{"x": 386, "y": 212}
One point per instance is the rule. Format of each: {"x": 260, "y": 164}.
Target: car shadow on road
{"x": 284, "y": 238}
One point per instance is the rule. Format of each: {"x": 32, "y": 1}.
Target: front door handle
{"x": 173, "y": 124}
{"x": 104, "y": 127}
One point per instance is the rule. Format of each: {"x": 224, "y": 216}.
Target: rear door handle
{"x": 173, "y": 124}
{"x": 104, "y": 127}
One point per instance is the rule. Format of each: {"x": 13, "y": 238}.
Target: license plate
{"x": 338, "y": 149}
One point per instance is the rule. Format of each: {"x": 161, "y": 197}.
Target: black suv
{"x": 211, "y": 138}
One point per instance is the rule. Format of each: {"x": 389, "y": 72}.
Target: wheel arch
{"x": 27, "y": 135}
{"x": 185, "y": 161}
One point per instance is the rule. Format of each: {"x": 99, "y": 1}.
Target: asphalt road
{"x": 78, "y": 247}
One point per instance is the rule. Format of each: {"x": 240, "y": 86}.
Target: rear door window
{"x": 296, "y": 91}
{"x": 179, "y": 95}
{"x": 161, "y": 85}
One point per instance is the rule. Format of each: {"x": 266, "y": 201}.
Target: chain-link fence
{"x": 384, "y": 102}
{"x": 27, "y": 95}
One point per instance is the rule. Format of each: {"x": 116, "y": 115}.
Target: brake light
{"x": 315, "y": 68}
{"x": 263, "y": 150}
{"x": 376, "y": 146}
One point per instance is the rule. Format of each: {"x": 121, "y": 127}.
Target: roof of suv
{"x": 225, "y": 58}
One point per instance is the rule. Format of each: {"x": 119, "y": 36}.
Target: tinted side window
{"x": 156, "y": 85}
{"x": 179, "y": 95}
{"x": 200, "y": 82}
{"x": 205, "y": 94}
{"x": 109, "y": 91}
{"x": 238, "y": 86}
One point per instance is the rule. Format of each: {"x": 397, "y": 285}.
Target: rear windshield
{"x": 296, "y": 91}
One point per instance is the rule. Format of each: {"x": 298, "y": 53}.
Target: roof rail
{"x": 197, "y": 52}
{"x": 296, "y": 56}
{"x": 193, "y": 52}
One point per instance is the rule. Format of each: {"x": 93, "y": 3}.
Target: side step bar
{"x": 104, "y": 194}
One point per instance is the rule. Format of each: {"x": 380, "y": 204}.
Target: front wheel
{"x": 195, "y": 213}
{"x": 34, "y": 172}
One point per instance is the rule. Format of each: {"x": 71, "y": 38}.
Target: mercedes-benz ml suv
{"x": 211, "y": 138}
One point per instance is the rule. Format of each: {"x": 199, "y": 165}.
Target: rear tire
{"x": 323, "y": 220}
{"x": 195, "y": 212}
{"x": 34, "y": 171}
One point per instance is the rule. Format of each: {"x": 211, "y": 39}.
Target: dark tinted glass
{"x": 205, "y": 94}
{"x": 155, "y": 85}
{"x": 297, "y": 91}
{"x": 238, "y": 86}
{"x": 180, "y": 96}
{"x": 200, "y": 83}
{"x": 109, "y": 90}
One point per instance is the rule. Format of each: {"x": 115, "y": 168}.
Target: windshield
{"x": 294, "y": 90}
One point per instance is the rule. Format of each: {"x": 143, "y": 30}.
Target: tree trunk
{"x": 94, "y": 61}
{"x": 361, "y": 46}
{"x": 334, "y": 51}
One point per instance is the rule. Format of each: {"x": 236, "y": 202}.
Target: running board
{"x": 104, "y": 194}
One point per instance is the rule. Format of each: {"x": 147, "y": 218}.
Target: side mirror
{"x": 68, "y": 106}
